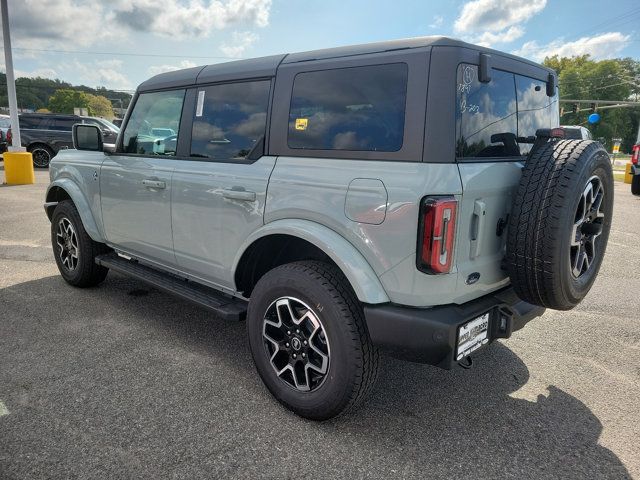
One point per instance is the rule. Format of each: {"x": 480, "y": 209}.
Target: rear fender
{"x": 359, "y": 273}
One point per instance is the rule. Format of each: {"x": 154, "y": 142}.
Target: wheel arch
{"x": 66, "y": 189}
{"x": 285, "y": 241}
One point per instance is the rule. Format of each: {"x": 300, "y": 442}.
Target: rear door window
{"x": 356, "y": 108}
{"x": 152, "y": 128}
{"x": 535, "y": 109}
{"x": 63, "y": 124}
{"x": 230, "y": 120}
{"x": 499, "y": 119}
{"x": 487, "y": 124}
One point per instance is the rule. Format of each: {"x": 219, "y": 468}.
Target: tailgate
{"x": 488, "y": 190}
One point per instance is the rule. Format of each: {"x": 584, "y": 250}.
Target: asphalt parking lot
{"x": 121, "y": 381}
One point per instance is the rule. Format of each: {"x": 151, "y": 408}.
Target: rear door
{"x": 135, "y": 183}
{"x": 219, "y": 191}
{"x": 495, "y": 125}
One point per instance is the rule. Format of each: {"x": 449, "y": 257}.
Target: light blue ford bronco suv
{"x": 412, "y": 196}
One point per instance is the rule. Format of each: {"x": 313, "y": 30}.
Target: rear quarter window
{"x": 355, "y": 108}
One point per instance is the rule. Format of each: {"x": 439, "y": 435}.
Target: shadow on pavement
{"x": 125, "y": 381}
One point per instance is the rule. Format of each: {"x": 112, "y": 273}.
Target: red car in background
{"x": 635, "y": 169}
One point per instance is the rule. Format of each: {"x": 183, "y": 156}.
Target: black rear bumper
{"x": 429, "y": 335}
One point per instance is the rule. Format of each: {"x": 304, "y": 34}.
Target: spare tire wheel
{"x": 560, "y": 222}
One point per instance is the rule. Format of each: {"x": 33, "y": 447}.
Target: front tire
{"x": 309, "y": 340}
{"x": 74, "y": 250}
{"x": 41, "y": 155}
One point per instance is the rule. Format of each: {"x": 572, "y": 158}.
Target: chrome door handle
{"x": 153, "y": 183}
{"x": 240, "y": 195}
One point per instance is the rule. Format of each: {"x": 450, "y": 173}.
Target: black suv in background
{"x": 45, "y": 134}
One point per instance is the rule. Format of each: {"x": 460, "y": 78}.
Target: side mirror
{"x": 87, "y": 137}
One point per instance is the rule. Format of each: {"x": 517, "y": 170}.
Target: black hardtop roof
{"x": 267, "y": 66}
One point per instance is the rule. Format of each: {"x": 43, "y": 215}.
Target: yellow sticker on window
{"x": 301, "y": 123}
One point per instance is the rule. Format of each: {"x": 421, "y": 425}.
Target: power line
{"x": 124, "y": 54}
{"x": 609, "y": 20}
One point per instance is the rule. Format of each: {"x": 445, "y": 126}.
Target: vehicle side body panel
{"x": 136, "y": 213}
{"x": 215, "y": 207}
{"x": 361, "y": 276}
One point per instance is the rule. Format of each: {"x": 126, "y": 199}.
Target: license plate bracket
{"x": 472, "y": 335}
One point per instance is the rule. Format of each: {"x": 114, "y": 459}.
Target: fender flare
{"x": 355, "y": 267}
{"x": 79, "y": 200}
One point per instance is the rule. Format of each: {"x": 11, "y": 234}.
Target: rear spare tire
{"x": 560, "y": 222}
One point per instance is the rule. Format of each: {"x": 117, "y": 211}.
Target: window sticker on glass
{"x": 200, "y": 104}
{"x": 301, "y": 123}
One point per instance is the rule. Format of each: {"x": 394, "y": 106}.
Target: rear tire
{"x": 560, "y": 222}
{"x": 74, "y": 250}
{"x": 318, "y": 296}
{"x": 635, "y": 184}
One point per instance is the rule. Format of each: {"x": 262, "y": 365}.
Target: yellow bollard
{"x": 18, "y": 168}
{"x": 628, "y": 176}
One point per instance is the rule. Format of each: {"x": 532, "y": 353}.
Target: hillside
{"x": 34, "y": 93}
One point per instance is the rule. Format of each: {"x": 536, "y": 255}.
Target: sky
{"x": 119, "y": 43}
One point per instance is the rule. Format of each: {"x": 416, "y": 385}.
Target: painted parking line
{"x": 3, "y": 409}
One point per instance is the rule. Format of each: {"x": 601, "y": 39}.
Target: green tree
{"x": 582, "y": 78}
{"x": 65, "y": 100}
{"x": 100, "y": 106}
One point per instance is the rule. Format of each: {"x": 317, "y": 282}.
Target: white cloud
{"x": 509, "y": 35}
{"x": 605, "y": 45}
{"x": 240, "y": 41}
{"x": 192, "y": 18}
{"x": 156, "y": 69}
{"x": 482, "y": 15}
{"x": 100, "y": 73}
{"x": 60, "y": 23}
{"x": 38, "y": 72}
{"x": 438, "y": 20}
{"x": 68, "y": 23}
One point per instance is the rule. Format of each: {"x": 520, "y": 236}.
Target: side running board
{"x": 225, "y": 306}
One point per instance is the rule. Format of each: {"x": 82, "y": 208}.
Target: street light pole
{"x": 16, "y": 144}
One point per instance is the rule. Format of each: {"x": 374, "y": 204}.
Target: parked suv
{"x": 409, "y": 195}
{"x": 45, "y": 134}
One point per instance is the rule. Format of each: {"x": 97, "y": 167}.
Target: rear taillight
{"x": 9, "y": 136}
{"x": 635, "y": 154}
{"x": 436, "y": 234}
{"x": 557, "y": 133}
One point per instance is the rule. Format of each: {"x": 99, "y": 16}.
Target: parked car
{"x": 411, "y": 195}
{"x": 576, "y": 132}
{"x": 45, "y": 134}
{"x": 5, "y": 123}
{"x": 635, "y": 170}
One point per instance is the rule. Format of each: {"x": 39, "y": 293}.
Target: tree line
{"x": 58, "y": 96}
{"x": 582, "y": 78}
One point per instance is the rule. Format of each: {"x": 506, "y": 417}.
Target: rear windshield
{"x": 498, "y": 119}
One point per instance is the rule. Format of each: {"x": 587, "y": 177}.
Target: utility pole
{"x": 16, "y": 144}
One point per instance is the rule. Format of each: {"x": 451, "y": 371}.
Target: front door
{"x": 219, "y": 194}
{"x": 135, "y": 183}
